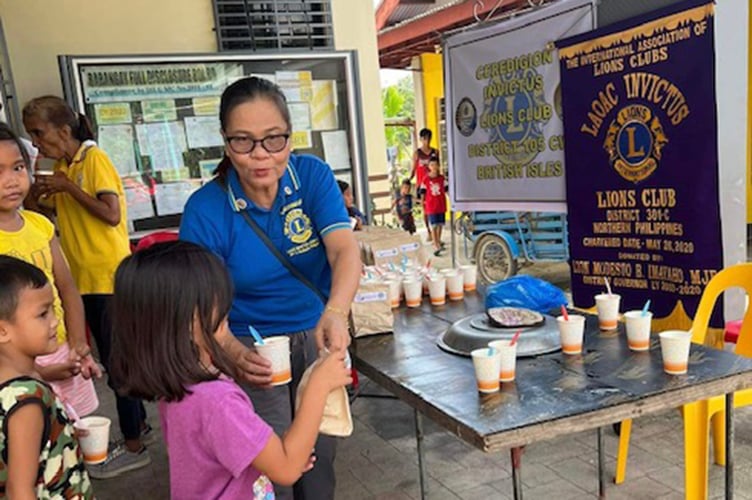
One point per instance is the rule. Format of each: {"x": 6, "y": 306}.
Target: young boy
{"x": 434, "y": 193}
{"x": 39, "y": 453}
{"x": 404, "y": 204}
{"x": 357, "y": 218}
{"x": 421, "y": 158}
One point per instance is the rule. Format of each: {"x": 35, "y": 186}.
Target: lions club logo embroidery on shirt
{"x": 297, "y": 226}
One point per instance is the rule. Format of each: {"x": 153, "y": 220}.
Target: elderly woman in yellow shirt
{"x": 87, "y": 195}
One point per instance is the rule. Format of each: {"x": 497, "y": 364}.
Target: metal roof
{"x": 423, "y": 33}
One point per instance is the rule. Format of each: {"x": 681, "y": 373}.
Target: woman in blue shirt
{"x": 295, "y": 201}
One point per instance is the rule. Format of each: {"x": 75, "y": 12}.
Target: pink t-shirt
{"x": 212, "y": 437}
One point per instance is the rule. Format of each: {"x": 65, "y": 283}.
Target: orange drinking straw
{"x": 514, "y": 339}
{"x": 564, "y": 313}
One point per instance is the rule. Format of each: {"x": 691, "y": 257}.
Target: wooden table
{"x": 553, "y": 395}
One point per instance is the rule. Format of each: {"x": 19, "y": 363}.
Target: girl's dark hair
{"x": 160, "y": 294}
{"x": 7, "y": 134}
{"x": 54, "y": 110}
{"x": 242, "y": 91}
{"x": 343, "y": 186}
{"x": 16, "y": 275}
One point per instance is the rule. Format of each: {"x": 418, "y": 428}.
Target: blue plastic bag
{"x": 525, "y": 291}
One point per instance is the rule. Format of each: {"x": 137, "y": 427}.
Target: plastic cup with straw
{"x": 508, "y": 352}
{"x": 571, "y": 331}
{"x": 638, "y": 328}
{"x": 487, "y": 362}
{"x": 607, "y": 305}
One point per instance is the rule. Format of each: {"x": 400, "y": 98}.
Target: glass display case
{"x": 157, "y": 118}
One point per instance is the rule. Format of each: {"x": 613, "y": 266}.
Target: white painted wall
{"x": 355, "y": 28}
{"x": 732, "y": 58}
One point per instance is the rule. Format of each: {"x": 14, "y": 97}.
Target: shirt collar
{"x": 289, "y": 185}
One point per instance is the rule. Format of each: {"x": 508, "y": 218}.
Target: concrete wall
{"x": 355, "y": 28}
{"x": 37, "y": 31}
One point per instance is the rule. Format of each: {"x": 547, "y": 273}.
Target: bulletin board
{"x": 157, "y": 117}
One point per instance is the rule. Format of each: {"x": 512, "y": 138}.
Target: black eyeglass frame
{"x": 253, "y": 142}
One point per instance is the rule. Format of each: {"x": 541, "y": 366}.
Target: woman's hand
{"x": 46, "y": 185}
{"x": 255, "y": 369}
{"x": 81, "y": 354}
{"x": 331, "y": 331}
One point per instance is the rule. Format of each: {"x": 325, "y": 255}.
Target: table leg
{"x": 729, "y": 446}
{"x": 516, "y": 468}
{"x": 601, "y": 466}
{"x": 421, "y": 465}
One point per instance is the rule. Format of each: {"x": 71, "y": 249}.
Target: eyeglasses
{"x": 242, "y": 144}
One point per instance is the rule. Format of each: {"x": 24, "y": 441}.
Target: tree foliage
{"x": 398, "y": 102}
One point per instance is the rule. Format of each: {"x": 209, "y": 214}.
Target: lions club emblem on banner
{"x": 297, "y": 226}
{"x": 634, "y": 142}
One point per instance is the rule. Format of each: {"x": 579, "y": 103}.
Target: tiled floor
{"x": 379, "y": 461}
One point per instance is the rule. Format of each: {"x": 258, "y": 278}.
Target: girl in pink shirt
{"x": 171, "y": 344}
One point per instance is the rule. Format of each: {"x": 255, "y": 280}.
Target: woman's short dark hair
{"x": 242, "y": 91}
{"x": 53, "y": 109}
{"x": 7, "y": 134}
{"x": 425, "y": 133}
{"x": 160, "y": 294}
{"x": 16, "y": 275}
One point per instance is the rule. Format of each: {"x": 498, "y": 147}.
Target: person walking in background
{"x": 39, "y": 453}
{"x": 177, "y": 360}
{"x": 404, "y": 203}
{"x": 352, "y": 211}
{"x": 420, "y": 169}
{"x": 434, "y": 191}
{"x": 31, "y": 237}
{"x": 285, "y": 212}
{"x": 86, "y": 193}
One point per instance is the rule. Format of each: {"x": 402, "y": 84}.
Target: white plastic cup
{"x": 437, "y": 290}
{"x": 426, "y": 278}
{"x": 469, "y": 277}
{"x": 395, "y": 292}
{"x": 675, "y": 351}
{"x": 608, "y": 310}
{"x": 638, "y": 329}
{"x": 413, "y": 292}
{"x": 94, "y": 444}
{"x": 487, "y": 367}
{"x": 277, "y": 351}
{"x": 571, "y": 332}
{"x": 454, "y": 286}
{"x": 508, "y": 364}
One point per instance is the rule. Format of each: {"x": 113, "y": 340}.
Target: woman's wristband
{"x": 340, "y": 312}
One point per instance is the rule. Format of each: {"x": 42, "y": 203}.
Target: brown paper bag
{"x": 372, "y": 310}
{"x": 337, "y": 420}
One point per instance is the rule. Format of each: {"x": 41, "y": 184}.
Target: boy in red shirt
{"x": 420, "y": 168}
{"x": 434, "y": 190}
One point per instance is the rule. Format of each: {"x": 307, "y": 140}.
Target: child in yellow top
{"x": 31, "y": 237}
{"x": 87, "y": 195}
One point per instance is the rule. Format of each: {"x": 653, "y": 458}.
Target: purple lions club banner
{"x": 641, "y": 158}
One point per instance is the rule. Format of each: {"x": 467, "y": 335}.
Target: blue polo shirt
{"x": 308, "y": 206}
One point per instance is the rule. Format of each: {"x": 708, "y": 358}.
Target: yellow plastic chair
{"x": 698, "y": 415}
